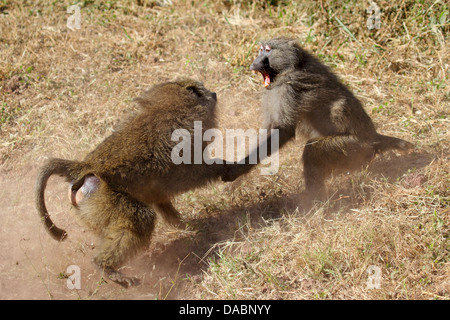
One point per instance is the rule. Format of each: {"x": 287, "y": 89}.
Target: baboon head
{"x": 185, "y": 98}
{"x": 179, "y": 93}
{"x": 276, "y": 56}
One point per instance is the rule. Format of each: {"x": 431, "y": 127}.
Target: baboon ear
{"x": 194, "y": 90}
{"x": 292, "y": 43}
{"x": 295, "y": 47}
{"x": 138, "y": 100}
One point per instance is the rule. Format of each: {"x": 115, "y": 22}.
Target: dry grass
{"x": 326, "y": 253}
{"x": 63, "y": 91}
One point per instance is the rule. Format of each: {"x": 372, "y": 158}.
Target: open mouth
{"x": 266, "y": 78}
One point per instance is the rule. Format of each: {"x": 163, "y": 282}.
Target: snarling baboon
{"x": 302, "y": 96}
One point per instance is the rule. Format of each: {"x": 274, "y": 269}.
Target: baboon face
{"x": 276, "y": 56}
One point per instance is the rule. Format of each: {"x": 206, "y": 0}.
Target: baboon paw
{"x": 175, "y": 222}
{"x": 120, "y": 279}
{"x": 127, "y": 282}
{"x": 124, "y": 281}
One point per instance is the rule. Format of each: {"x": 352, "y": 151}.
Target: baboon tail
{"x": 385, "y": 143}
{"x": 65, "y": 168}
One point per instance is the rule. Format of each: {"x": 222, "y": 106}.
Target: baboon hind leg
{"x": 323, "y": 155}
{"x": 123, "y": 238}
{"x": 119, "y": 246}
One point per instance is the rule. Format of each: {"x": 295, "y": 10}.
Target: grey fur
{"x": 303, "y": 96}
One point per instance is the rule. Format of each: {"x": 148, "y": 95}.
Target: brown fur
{"x": 130, "y": 176}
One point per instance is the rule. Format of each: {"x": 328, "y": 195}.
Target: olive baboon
{"x": 120, "y": 185}
{"x": 304, "y": 97}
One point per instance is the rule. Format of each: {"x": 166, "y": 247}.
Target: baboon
{"x": 303, "y": 97}
{"x": 130, "y": 176}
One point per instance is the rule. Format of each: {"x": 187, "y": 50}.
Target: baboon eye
{"x": 268, "y": 48}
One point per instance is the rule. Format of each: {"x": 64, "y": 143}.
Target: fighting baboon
{"x": 120, "y": 185}
{"x": 304, "y": 97}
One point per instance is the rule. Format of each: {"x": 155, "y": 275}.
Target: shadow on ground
{"x": 187, "y": 256}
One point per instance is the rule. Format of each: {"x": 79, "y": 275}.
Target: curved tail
{"x": 66, "y": 168}
{"x": 385, "y": 143}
